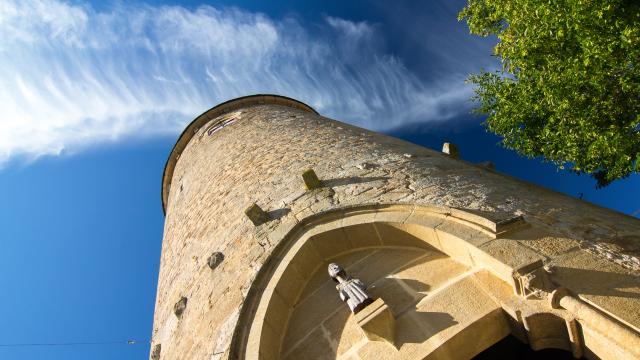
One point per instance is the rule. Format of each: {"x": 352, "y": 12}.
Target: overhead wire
{"x": 122, "y": 342}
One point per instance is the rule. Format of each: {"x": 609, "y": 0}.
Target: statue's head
{"x": 335, "y": 270}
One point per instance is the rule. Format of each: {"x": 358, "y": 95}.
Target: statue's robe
{"x": 353, "y": 292}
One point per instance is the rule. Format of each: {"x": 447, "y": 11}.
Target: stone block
{"x": 377, "y": 322}
{"x": 331, "y": 243}
{"x": 382, "y": 263}
{"x": 256, "y": 214}
{"x": 451, "y": 150}
{"x": 467, "y": 342}
{"x": 395, "y": 234}
{"x": 430, "y": 273}
{"x": 361, "y": 217}
{"x": 398, "y": 295}
{"x": 455, "y": 247}
{"x": 277, "y": 313}
{"x": 362, "y": 235}
{"x": 388, "y": 216}
{"x": 270, "y": 343}
{"x": 344, "y": 330}
{"x": 311, "y": 180}
{"x": 507, "y": 259}
{"x": 307, "y": 260}
{"x": 546, "y": 330}
{"x": 425, "y": 234}
{"x": 309, "y": 313}
{"x": 155, "y": 352}
{"x": 314, "y": 346}
{"x": 215, "y": 259}
{"x": 180, "y": 307}
{"x": 290, "y": 285}
{"x": 460, "y": 229}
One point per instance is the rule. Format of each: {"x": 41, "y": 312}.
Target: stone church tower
{"x": 262, "y": 193}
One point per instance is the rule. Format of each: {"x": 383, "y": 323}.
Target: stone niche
{"x": 420, "y": 287}
{"x": 450, "y": 293}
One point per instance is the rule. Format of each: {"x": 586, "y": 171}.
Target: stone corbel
{"x": 532, "y": 281}
{"x": 377, "y": 321}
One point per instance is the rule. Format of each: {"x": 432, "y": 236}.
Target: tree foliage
{"x": 569, "y": 87}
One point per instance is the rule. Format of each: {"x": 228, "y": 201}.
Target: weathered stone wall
{"x": 260, "y": 158}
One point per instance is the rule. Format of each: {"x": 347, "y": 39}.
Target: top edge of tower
{"x": 214, "y": 112}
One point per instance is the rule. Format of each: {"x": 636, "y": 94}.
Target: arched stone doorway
{"x": 452, "y": 294}
{"x": 421, "y": 288}
{"x": 512, "y": 348}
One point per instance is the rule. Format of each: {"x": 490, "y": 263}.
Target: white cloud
{"x": 71, "y": 76}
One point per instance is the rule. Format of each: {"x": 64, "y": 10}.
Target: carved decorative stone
{"x": 215, "y": 259}
{"x": 155, "y": 354}
{"x": 451, "y": 150}
{"x": 311, "y": 180}
{"x": 351, "y": 290}
{"x": 256, "y": 214}
{"x": 180, "y": 306}
{"x": 532, "y": 281}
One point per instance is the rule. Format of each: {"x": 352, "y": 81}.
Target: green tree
{"x": 569, "y": 87}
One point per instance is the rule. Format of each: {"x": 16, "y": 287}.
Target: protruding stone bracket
{"x": 487, "y": 165}
{"x": 377, "y": 322}
{"x": 451, "y": 150}
{"x": 180, "y": 307}
{"x": 311, "y": 180}
{"x": 215, "y": 259}
{"x": 256, "y": 214}
{"x": 155, "y": 353}
{"x": 532, "y": 280}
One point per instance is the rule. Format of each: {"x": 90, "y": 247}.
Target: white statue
{"x": 351, "y": 290}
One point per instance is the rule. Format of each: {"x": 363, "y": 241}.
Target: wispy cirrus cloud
{"x": 72, "y": 76}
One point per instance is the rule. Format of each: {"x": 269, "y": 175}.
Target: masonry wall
{"x": 260, "y": 158}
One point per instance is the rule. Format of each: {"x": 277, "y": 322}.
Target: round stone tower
{"x": 262, "y": 193}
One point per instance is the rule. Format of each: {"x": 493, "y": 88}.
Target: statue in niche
{"x": 351, "y": 290}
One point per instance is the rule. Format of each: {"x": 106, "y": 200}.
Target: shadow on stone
{"x": 352, "y": 180}
{"x": 599, "y": 283}
{"x": 429, "y": 325}
{"x": 418, "y": 286}
{"x": 278, "y": 213}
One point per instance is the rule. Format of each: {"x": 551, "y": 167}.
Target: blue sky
{"x": 93, "y": 96}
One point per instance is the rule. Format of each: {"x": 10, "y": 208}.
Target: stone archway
{"x": 431, "y": 256}
{"x": 420, "y": 287}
